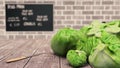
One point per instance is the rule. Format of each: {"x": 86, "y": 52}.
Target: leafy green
{"x": 88, "y": 44}
{"x": 76, "y": 58}
{"x": 96, "y": 28}
{"x": 98, "y": 41}
{"x": 113, "y": 27}
{"x": 109, "y": 38}
{"x": 105, "y": 56}
{"x": 64, "y": 40}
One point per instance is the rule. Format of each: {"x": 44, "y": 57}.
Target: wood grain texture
{"x": 16, "y": 48}
{"x": 46, "y": 59}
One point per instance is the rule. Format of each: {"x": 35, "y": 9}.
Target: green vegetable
{"x": 76, "y": 58}
{"x": 98, "y": 42}
{"x": 109, "y": 38}
{"x": 64, "y": 40}
{"x": 96, "y": 28}
{"x": 88, "y": 44}
{"x": 113, "y": 27}
{"x": 105, "y": 56}
{"x": 118, "y": 35}
{"x": 97, "y": 32}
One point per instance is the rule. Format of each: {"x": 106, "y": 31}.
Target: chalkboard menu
{"x": 29, "y": 17}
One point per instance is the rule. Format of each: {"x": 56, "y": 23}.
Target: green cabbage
{"x": 64, "y": 40}
{"x": 113, "y": 27}
{"x": 76, "y": 58}
{"x": 99, "y": 41}
{"x": 88, "y": 44}
{"x": 109, "y": 38}
{"x": 91, "y": 35}
{"x": 105, "y": 56}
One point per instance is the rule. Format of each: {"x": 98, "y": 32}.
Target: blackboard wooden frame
{"x": 37, "y": 17}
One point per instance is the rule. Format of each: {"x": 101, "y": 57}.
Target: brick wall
{"x": 67, "y": 13}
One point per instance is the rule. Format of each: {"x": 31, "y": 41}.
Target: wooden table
{"x": 19, "y": 47}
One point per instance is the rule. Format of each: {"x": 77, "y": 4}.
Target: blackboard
{"x": 29, "y": 17}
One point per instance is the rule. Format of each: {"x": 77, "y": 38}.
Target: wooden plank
{"x": 4, "y": 46}
{"x": 25, "y": 50}
{"x": 15, "y": 53}
{"x": 4, "y": 52}
{"x": 46, "y": 60}
{"x": 4, "y": 42}
{"x": 64, "y": 63}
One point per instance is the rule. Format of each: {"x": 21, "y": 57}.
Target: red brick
{"x": 68, "y": 2}
{"x": 87, "y": 12}
{"x": 59, "y": 7}
{"x": 68, "y": 12}
{"x": 107, "y": 3}
{"x": 97, "y": 17}
{"x": 78, "y": 7}
{"x": 88, "y": 3}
